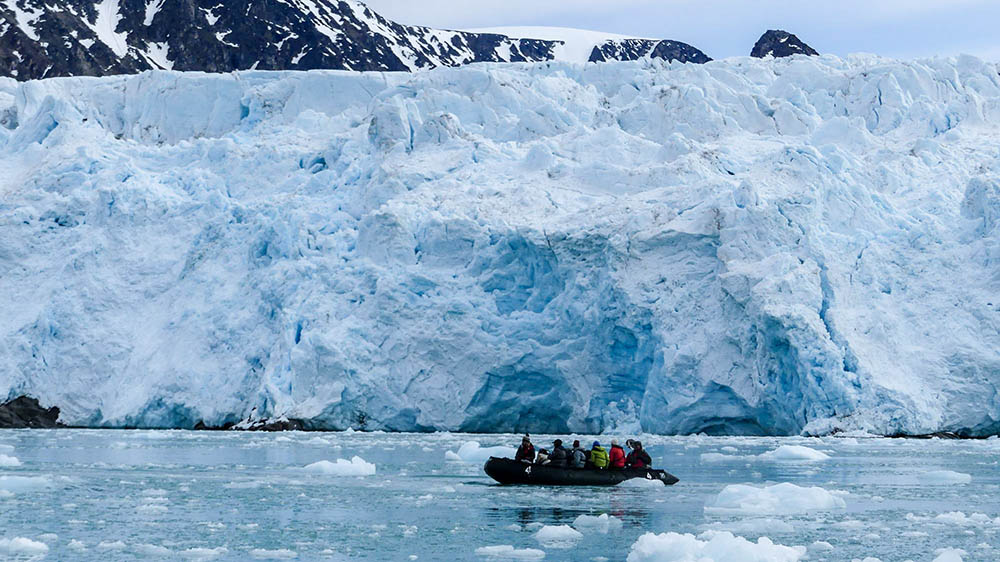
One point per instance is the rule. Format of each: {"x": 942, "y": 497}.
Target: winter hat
{"x": 557, "y": 442}
{"x": 597, "y": 443}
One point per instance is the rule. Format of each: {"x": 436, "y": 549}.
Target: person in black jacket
{"x": 559, "y": 455}
{"x": 638, "y": 457}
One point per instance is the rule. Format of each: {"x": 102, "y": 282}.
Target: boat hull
{"x": 507, "y": 471}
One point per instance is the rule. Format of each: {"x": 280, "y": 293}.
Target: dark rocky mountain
{"x": 779, "y": 43}
{"x": 24, "y": 411}
{"x": 634, "y": 49}
{"x": 45, "y": 38}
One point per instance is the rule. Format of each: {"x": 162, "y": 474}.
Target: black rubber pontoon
{"x": 507, "y": 471}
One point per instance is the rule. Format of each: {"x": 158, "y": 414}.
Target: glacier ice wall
{"x": 765, "y": 247}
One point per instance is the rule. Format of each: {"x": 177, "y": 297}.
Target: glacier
{"x": 796, "y": 246}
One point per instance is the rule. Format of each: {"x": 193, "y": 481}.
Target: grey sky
{"x": 896, "y": 28}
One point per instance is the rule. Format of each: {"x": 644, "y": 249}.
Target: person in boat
{"x": 543, "y": 457}
{"x": 598, "y": 456}
{"x": 616, "y": 456}
{"x": 637, "y": 457}
{"x": 578, "y": 456}
{"x": 526, "y": 452}
{"x": 559, "y": 455}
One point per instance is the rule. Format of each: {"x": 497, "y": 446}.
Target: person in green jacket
{"x": 598, "y": 456}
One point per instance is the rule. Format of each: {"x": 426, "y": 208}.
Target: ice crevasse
{"x": 789, "y": 246}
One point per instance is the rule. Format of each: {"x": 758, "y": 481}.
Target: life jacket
{"x": 616, "y": 457}
{"x": 599, "y": 457}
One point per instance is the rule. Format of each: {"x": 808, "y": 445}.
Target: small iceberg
{"x": 357, "y": 466}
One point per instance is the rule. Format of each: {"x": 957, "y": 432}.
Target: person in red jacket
{"x": 616, "y": 456}
{"x": 526, "y": 452}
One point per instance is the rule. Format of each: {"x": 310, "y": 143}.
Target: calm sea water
{"x": 126, "y": 495}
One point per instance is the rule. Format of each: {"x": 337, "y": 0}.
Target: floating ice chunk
{"x": 641, "y": 483}
{"x": 76, "y": 545}
{"x": 508, "y": 552}
{"x": 278, "y": 554}
{"x": 514, "y": 527}
{"x": 4, "y": 448}
{"x": 558, "y": 536}
{"x": 755, "y": 527}
{"x": 784, "y": 498}
{"x": 794, "y": 453}
{"x": 48, "y": 537}
{"x": 719, "y": 457}
{"x": 150, "y": 508}
{"x": 6, "y": 461}
{"x": 534, "y": 526}
{"x": 152, "y": 550}
{"x": 949, "y": 555}
{"x": 18, "y": 484}
{"x": 602, "y": 523}
{"x": 20, "y": 546}
{"x": 357, "y": 466}
{"x": 471, "y": 451}
{"x": 710, "y": 546}
{"x": 946, "y": 477}
{"x": 784, "y": 453}
{"x": 203, "y": 553}
{"x": 821, "y": 546}
{"x": 111, "y": 545}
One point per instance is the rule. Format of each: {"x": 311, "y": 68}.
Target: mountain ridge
{"x": 49, "y": 38}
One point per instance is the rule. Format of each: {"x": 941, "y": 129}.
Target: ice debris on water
{"x": 357, "y": 466}
{"x": 784, "y": 453}
{"x": 558, "y": 536}
{"x": 777, "y": 499}
{"x": 710, "y": 546}
{"x": 21, "y": 546}
{"x": 9, "y": 461}
{"x": 472, "y": 452}
{"x": 602, "y": 523}
{"x": 946, "y": 477}
{"x": 508, "y": 552}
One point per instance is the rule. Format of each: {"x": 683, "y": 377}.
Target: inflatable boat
{"x": 507, "y": 471}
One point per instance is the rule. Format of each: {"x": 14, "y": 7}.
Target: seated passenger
{"x": 526, "y": 452}
{"x": 543, "y": 457}
{"x": 578, "y": 456}
{"x": 616, "y": 456}
{"x": 598, "y": 456}
{"x": 638, "y": 457}
{"x": 559, "y": 455}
